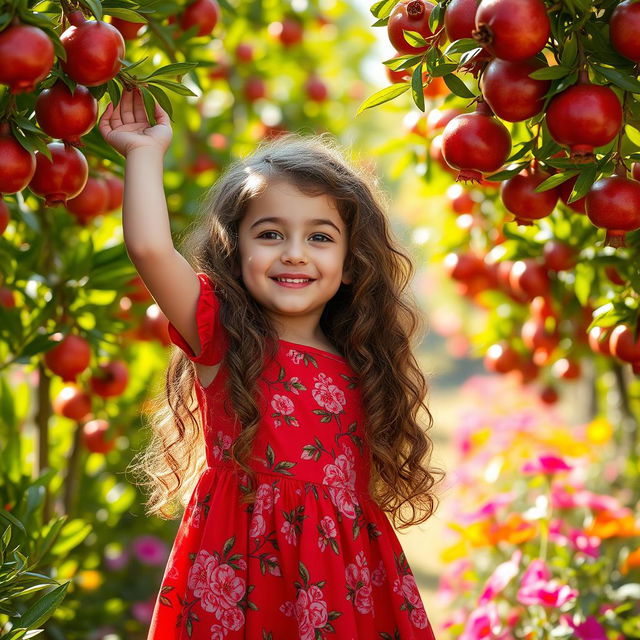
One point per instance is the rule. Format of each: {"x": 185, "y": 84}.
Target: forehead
{"x": 283, "y": 199}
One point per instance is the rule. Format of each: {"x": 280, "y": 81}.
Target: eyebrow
{"x": 277, "y": 220}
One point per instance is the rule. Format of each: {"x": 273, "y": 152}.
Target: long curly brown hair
{"x": 374, "y": 321}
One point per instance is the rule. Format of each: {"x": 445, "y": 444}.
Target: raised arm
{"x": 169, "y": 277}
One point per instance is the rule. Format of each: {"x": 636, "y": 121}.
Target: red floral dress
{"x": 315, "y": 557}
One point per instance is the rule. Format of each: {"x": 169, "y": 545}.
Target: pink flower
{"x": 218, "y": 632}
{"x": 379, "y": 575}
{"x": 232, "y": 618}
{"x": 115, "y": 559}
{"x": 590, "y": 629}
{"x": 203, "y": 565}
{"x": 358, "y": 580}
{"x": 547, "y": 464}
{"x": 328, "y": 528}
{"x": 548, "y": 594}
{"x": 150, "y": 550}
{"x": 536, "y": 571}
{"x": 258, "y": 525}
{"x": 501, "y": 576}
{"x": 289, "y": 532}
{"x": 266, "y": 496}
{"x": 295, "y": 356}
{"x": 341, "y": 479}
{"x": 482, "y": 623}
{"x": 489, "y": 508}
{"x": 328, "y": 395}
{"x": 142, "y": 611}
{"x": 310, "y": 611}
{"x": 226, "y": 589}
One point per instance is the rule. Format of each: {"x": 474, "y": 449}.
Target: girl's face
{"x": 283, "y": 232}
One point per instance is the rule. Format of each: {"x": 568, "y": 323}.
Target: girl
{"x": 295, "y": 430}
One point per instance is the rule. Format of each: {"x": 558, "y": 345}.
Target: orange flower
{"x": 515, "y": 530}
{"x": 632, "y": 561}
{"x": 608, "y": 525}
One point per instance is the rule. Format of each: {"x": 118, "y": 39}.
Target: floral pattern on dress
{"x": 405, "y": 586}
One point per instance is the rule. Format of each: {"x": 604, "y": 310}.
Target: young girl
{"x": 303, "y": 432}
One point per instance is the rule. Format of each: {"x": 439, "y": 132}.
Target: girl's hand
{"x": 126, "y": 126}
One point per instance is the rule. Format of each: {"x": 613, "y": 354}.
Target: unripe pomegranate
{"x": 409, "y": 15}
{"x": 17, "y": 165}
{"x": 623, "y": 343}
{"x": 315, "y": 89}
{"x": 72, "y": 402}
{"x": 202, "y": 13}
{"x": 501, "y": 358}
{"x": 94, "y": 436}
{"x": 65, "y": 115}
{"x": 69, "y": 357}
{"x": 624, "y": 27}
{"x": 254, "y": 88}
{"x": 111, "y": 380}
{"x": 26, "y": 57}
{"x": 62, "y": 178}
{"x": 584, "y": 116}
{"x": 94, "y": 50}
{"x": 510, "y": 92}
{"x": 460, "y": 19}
{"x": 614, "y": 204}
{"x": 476, "y": 143}
{"x": 599, "y": 339}
{"x": 559, "y": 256}
{"x": 115, "y": 187}
{"x": 564, "y": 191}
{"x": 529, "y": 278}
{"x": 4, "y": 216}
{"x": 289, "y": 31}
{"x": 92, "y": 201}
{"x": 512, "y": 29}
{"x": 519, "y": 196}
{"x": 128, "y": 30}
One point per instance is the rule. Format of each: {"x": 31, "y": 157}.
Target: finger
{"x": 104, "y": 125}
{"x": 138, "y": 107}
{"x": 116, "y": 118}
{"x": 127, "y": 107}
{"x": 162, "y": 117}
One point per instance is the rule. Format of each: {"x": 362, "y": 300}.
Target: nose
{"x": 294, "y": 252}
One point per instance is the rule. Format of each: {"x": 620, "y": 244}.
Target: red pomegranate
{"x": 222, "y": 69}
{"x": 549, "y": 394}
{"x": 4, "y": 215}
{"x": 535, "y": 335}
{"x": 475, "y": 143}
{"x": 244, "y": 52}
{"x": 614, "y": 204}
{"x": 435, "y": 153}
{"x": 316, "y": 89}
{"x": 510, "y": 92}
{"x": 69, "y": 357}
{"x": 624, "y": 27}
{"x": 7, "y": 299}
{"x": 460, "y": 19}
{"x": 564, "y": 191}
{"x": 624, "y": 344}
{"x": 501, "y": 358}
{"x": 612, "y": 273}
{"x": 584, "y": 116}
{"x": 289, "y": 31}
{"x": 559, "y": 256}
{"x": 26, "y": 57}
{"x": 65, "y": 115}
{"x": 439, "y": 118}
{"x": 541, "y": 307}
{"x": 94, "y": 50}
{"x": 128, "y": 30}
{"x": 94, "y": 436}
{"x": 62, "y": 178}
{"x": 92, "y": 201}
{"x": 155, "y": 326}
{"x": 17, "y": 165}
{"x": 115, "y": 186}
{"x": 520, "y": 198}
{"x": 460, "y": 199}
{"x": 111, "y": 379}
{"x": 254, "y": 88}
{"x": 140, "y": 292}
{"x": 529, "y": 278}
{"x": 202, "y": 13}
{"x": 635, "y": 170}
{"x": 463, "y": 266}
{"x": 72, "y": 402}
{"x": 512, "y": 29}
{"x": 599, "y": 338}
{"x": 566, "y": 368}
{"x": 409, "y": 15}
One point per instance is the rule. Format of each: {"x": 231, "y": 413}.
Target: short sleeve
{"x": 213, "y": 339}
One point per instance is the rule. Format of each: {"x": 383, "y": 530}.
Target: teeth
{"x": 291, "y": 280}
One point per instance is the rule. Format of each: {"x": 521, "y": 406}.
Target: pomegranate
{"x": 529, "y": 278}
{"x": 140, "y": 292}
{"x": 289, "y": 31}
{"x": 94, "y": 436}
{"x": 155, "y": 326}
{"x": 460, "y": 199}
{"x": 613, "y": 275}
{"x": 4, "y": 216}
{"x": 222, "y": 69}
{"x": 624, "y": 344}
{"x": 128, "y": 30}
{"x": 584, "y": 116}
{"x": 65, "y": 115}
{"x": 566, "y": 368}
{"x": 72, "y": 402}
{"x": 512, "y": 29}
{"x": 244, "y": 52}
{"x": 510, "y": 92}
{"x": 526, "y": 371}
{"x": 475, "y": 143}
{"x": 564, "y": 191}
{"x": 92, "y": 201}
{"x": 520, "y": 198}
{"x": 559, "y": 256}
{"x": 460, "y": 19}
{"x": 202, "y": 13}
{"x": 7, "y": 299}
{"x": 501, "y": 358}
{"x": 409, "y": 15}
{"x": 614, "y": 204}
{"x": 434, "y": 87}
{"x": 115, "y": 187}
{"x": 599, "y": 339}
{"x": 549, "y": 394}
{"x": 254, "y": 88}
{"x": 94, "y": 50}
{"x": 463, "y": 266}
{"x": 315, "y": 89}
{"x": 26, "y": 57}
{"x": 69, "y": 357}
{"x": 541, "y": 307}
{"x": 111, "y": 379}
{"x": 439, "y": 118}
{"x": 17, "y": 165}
{"x": 635, "y": 170}
{"x": 435, "y": 153}
{"x": 536, "y": 337}
{"x": 61, "y": 179}
{"x": 624, "y": 27}
{"x": 402, "y": 75}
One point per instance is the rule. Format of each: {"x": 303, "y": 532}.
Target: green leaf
{"x": 633, "y": 134}
{"x": 417, "y": 90}
{"x": 175, "y": 69}
{"x": 149, "y": 105}
{"x": 94, "y": 6}
{"x": 623, "y": 80}
{"x": 435, "y": 18}
{"x": 443, "y": 69}
{"x": 383, "y": 22}
{"x": 43, "y": 609}
{"x": 176, "y": 87}
{"x": 461, "y": 46}
{"x": 586, "y": 178}
{"x": 403, "y": 62}
{"x": 125, "y": 14}
{"x": 555, "y": 180}
{"x": 115, "y": 91}
{"x": 506, "y": 174}
{"x": 383, "y": 8}
{"x": 162, "y": 98}
{"x": 550, "y": 73}
{"x": 384, "y": 95}
{"x": 414, "y": 38}
{"x": 585, "y": 275}
{"x": 457, "y": 87}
